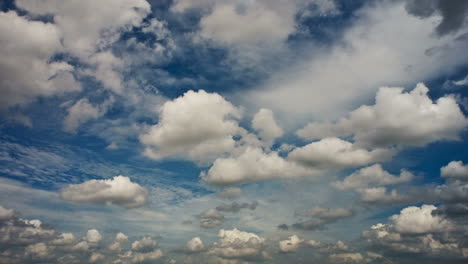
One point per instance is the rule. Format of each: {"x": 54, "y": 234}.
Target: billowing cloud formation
{"x": 235, "y": 244}
{"x": 397, "y": 118}
{"x": 320, "y": 217}
{"x": 26, "y": 69}
{"x": 373, "y": 175}
{"x": 197, "y": 124}
{"x": 195, "y": 245}
{"x": 252, "y": 165}
{"x": 119, "y": 191}
{"x": 418, "y": 220}
{"x": 146, "y": 244}
{"x": 265, "y": 123}
{"x": 334, "y": 153}
{"x": 453, "y": 13}
{"x": 455, "y": 169}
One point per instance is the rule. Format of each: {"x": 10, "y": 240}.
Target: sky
{"x": 233, "y": 131}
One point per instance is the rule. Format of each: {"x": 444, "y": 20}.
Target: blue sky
{"x": 247, "y": 131}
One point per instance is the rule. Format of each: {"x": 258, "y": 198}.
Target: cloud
{"x": 252, "y": 165}
{"x": 346, "y": 258}
{"x": 265, "y": 123}
{"x": 146, "y": 244}
{"x": 236, "y": 207}
{"x": 119, "y": 191}
{"x": 211, "y": 218}
{"x": 79, "y": 113}
{"x": 90, "y": 40}
{"x": 396, "y": 118}
{"x": 93, "y": 236}
{"x": 235, "y": 244}
{"x": 373, "y": 175}
{"x": 319, "y": 217}
{"x": 195, "y": 245}
{"x": 453, "y": 13}
{"x": 291, "y": 244}
{"x": 455, "y": 169}
{"x": 420, "y": 220}
{"x": 334, "y": 153}
{"x": 6, "y": 214}
{"x": 197, "y": 125}
{"x": 379, "y": 195}
{"x": 27, "y": 70}
{"x": 378, "y": 59}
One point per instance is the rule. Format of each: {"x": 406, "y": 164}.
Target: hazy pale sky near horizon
{"x": 233, "y": 131}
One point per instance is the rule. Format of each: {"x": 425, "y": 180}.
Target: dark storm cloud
{"x": 453, "y": 13}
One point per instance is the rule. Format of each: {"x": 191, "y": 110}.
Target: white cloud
{"x": 64, "y": 239}
{"x": 418, "y": 220}
{"x": 234, "y": 244}
{"x": 373, "y": 175}
{"x": 346, "y": 258}
{"x": 93, "y": 236}
{"x": 455, "y": 169}
{"x": 145, "y": 244}
{"x": 119, "y": 241}
{"x": 231, "y": 192}
{"x": 265, "y": 123}
{"x": 334, "y": 153}
{"x": 379, "y": 195}
{"x": 195, "y": 245}
{"x": 119, "y": 191}
{"x": 26, "y": 71}
{"x": 148, "y": 256}
{"x": 252, "y": 165}
{"x": 397, "y": 118}
{"x": 291, "y": 244}
{"x": 366, "y": 57}
{"x": 79, "y": 113}
{"x": 198, "y": 125}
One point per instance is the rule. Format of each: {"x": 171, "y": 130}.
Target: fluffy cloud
{"x": 119, "y": 241}
{"x": 265, "y": 123}
{"x": 455, "y": 169}
{"x": 79, "y": 113}
{"x": 318, "y": 218}
{"x": 373, "y": 175}
{"x": 88, "y": 40}
{"x": 346, "y": 258}
{"x": 26, "y": 68}
{"x": 379, "y": 195}
{"x": 235, "y": 244}
{"x": 291, "y": 244}
{"x": 119, "y": 191}
{"x": 252, "y": 165}
{"x": 197, "y": 124}
{"x": 211, "y": 218}
{"x": 376, "y": 60}
{"x": 334, "y": 153}
{"x": 146, "y": 244}
{"x": 195, "y": 245}
{"x": 93, "y": 236}
{"x": 418, "y": 220}
{"x": 397, "y": 118}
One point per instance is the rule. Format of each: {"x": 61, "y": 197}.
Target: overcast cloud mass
{"x": 233, "y": 131}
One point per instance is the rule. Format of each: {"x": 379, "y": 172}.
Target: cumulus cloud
{"x": 373, "y": 175}
{"x": 455, "y": 169}
{"x": 318, "y": 218}
{"x": 453, "y": 13}
{"x": 195, "y": 245}
{"x": 252, "y": 165}
{"x": 93, "y": 236}
{"x": 334, "y": 153}
{"x": 119, "y": 241}
{"x": 396, "y": 118}
{"x": 197, "y": 125}
{"x": 418, "y": 220}
{"x": 235, "y": 244}
{"x": 380, "y": 195}
{"x": 291, "y": 244}
{"x": 265, "y": 123}
{"x": 79, "y": 113}
{"x": 26, "y": 68}
{"x": 119, "y": 191}
{"x": 146, "y": 244}
{"x": 346, "y": 258}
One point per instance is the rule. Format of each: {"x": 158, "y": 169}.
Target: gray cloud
{"x": 453, "y": 13}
